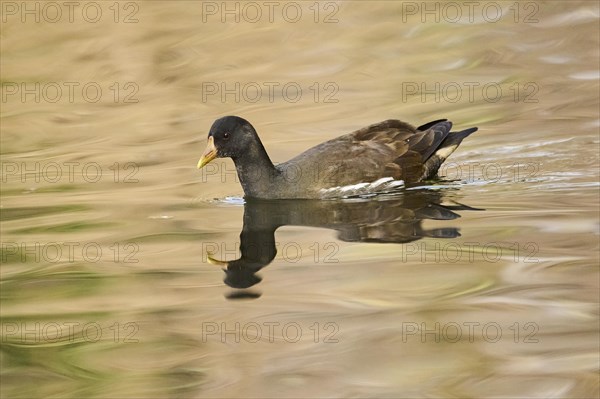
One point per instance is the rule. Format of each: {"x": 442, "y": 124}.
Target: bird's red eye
{"x": 226, "y": 135}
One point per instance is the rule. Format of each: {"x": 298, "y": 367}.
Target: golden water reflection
{"x": 130, "y": 307}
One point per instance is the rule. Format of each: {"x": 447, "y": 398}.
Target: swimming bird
{"x": 379, "y": 158}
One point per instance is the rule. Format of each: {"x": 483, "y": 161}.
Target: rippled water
{"x": 483, "y": 284}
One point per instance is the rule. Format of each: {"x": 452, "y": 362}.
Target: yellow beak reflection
{"x": 209, "y": 154}
{"x": 216, "y": 262}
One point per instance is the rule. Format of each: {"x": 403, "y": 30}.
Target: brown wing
{"x": 391, "y": 148}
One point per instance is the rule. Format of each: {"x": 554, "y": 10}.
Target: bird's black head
{"x": 230, "y": 136}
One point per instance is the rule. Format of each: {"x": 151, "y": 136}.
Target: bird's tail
{"x": 446, "y": 148}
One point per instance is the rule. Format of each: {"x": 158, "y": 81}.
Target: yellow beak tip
{"x": 209, "y": 154}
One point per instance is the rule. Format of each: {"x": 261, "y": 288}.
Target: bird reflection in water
{"x": 384, "y": 219}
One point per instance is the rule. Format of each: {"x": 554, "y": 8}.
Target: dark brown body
{"x": 370, "y": 160}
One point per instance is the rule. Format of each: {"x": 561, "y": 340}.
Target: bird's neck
{"x": 255, "y": 171}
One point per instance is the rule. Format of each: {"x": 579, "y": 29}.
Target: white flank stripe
{"x": 378, "y": 186}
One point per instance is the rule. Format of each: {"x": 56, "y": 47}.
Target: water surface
{"x": 483, "y": 284}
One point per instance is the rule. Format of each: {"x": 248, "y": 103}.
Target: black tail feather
{"x": 463, "y": 133}
{"x": 447, "y": 147}
{"x": 430, "y": 124}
